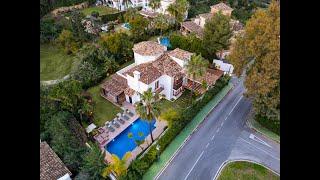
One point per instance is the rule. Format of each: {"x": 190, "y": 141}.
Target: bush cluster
{"x": 139, "y": 166}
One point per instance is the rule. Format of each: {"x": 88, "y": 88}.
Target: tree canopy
{"x": 261, "y": 43}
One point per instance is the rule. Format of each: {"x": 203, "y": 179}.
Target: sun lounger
{"x": 115, "y": 124}
{"x": 129, "y": 113}
{"x": 125, "y": 117}
{"x": 110, "y": 128}
{"x": 100, "y": 130}
{"x": 120, "y": 120}
{"x": 104, "y": 135}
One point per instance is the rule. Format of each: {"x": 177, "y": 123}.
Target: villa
{"x": 196, "y": 25}
{"x": 156, "y": 68}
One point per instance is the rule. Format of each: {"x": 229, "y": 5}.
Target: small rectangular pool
{"x": 122, "y": 143}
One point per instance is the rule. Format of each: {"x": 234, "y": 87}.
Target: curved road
{"x": 222, "y": 136}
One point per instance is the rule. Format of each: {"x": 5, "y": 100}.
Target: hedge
{"x": 139, "y": 166}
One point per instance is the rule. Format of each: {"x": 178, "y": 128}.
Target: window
{"x": 156, "y": 85}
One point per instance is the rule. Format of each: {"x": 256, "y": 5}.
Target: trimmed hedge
{"x": 271, "y": 124}
{"x": 139, "y": 166}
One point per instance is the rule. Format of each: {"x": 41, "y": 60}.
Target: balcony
{"x": 178, "y": 91}
{"x": 177, "y": 84}
{"x": 159, "y": 89}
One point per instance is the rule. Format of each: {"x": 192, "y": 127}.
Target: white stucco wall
{"x": 228, "y": 68}
{"x": 182, "y": 63}
{"x": 139, "y": 59}
{"x": 136, "y": 85}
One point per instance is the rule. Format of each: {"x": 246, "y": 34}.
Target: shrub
{"x": 271, "y": 124}
{"x": 95, "y": 14}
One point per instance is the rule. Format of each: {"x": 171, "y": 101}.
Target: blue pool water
{"x": 165, "y": 41}
{"x": 122, "y": 143}
{"x": 126, "y": 25}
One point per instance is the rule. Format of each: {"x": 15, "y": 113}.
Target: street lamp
{"x": 158, "y": 152}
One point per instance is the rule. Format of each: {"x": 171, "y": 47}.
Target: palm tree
{"x": 178, "y": 10}
{"x": 196, "y": 67}
{"x": 147, "y": 109}
{"x": 137, "y": 141}
{"x": 154, "y": 4}
{"x": 161, "y": 23}
{"x": 118, "y": 165}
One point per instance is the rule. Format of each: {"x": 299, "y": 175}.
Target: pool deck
{"x": 160, "y": 125}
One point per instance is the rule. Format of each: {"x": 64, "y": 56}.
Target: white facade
{"x": 226, "y": 67}
{"x": 182, "y": 63}
{"x": 65, "y": 177}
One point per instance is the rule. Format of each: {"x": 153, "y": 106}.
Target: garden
{"x": 102, "y": 10}
{"x": 242, "y": 170}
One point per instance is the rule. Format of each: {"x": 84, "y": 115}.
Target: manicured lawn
{"x": 246, "y": 170}
{"x": 180, "y": 104}
{"x": 101, "y": 9}
{"x": 54, "y": 63}
{"x": 103, "y": 109}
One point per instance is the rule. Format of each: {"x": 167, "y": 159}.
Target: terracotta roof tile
{"x": 193, "y": 27}
{"x": 115, "y": 85}
{"x": 168, "y": 66}
{"x": 51, "y": 166}
{"x": 180, "y": 54}
{"x": 149, "y": 48}
{"x": 206, "y": 15}
{"x": 129, "y": 91}
{"x": 221, "y": 6}
{"x": 211, "y": 76}
{"x": 148, "y": 73}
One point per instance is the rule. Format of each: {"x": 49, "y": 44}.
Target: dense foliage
{"x": 261, "y": 43}
{"x": 139, "y": 166}
{"x": 93, "y": 163}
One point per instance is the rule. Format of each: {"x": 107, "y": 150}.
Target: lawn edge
{"x": 225, "y": 163}
{"x": 230, "y": 86}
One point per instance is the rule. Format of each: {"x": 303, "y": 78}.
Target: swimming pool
{"x": 126, "y": 26}
{"x": 122, "y": 143}
{"x": 165, "y": 41}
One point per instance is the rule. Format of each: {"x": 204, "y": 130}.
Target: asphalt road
{"x": 222, "y": 136}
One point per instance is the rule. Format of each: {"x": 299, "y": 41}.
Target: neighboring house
{"x": 156, "y": 68}
{"x": 123, "y": 4}
{"x": 224, "y": 66}
{"x": 196, "y": 25}
{"x": 51, "y": 166}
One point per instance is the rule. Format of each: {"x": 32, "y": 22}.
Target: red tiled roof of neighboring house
{"x": 193, "y": 27}
{"x": 236, "y": 25}
{"x": 148, "y": 73}
{"x": 206, "y": 15}
{"x": 168, "y": 66}
{"x": 211, "y": 76}
{"x": 221, "y": 6}
{"x": 129, "y": 91}
{"x": 51, "y": 166}
{"x": 180, "y": 54}
{"x": 148, "y": 48}
{"x": 115, "y": 85}
{"x": 148, "y": 13}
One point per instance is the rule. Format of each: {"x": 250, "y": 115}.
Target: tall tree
{"x": 161, "y": 22}
{"x": 93, "y": 162}
{"x": 147, "y": 108}
{"x": 178, "y": 10}
{"x": 196, "y": 68}
{"x": 217, "y": 33}
{"x": 118, "y": 165}
{"x": 154, "y": 4}
{"x": 261, "y": 43}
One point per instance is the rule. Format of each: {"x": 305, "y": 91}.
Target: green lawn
{"x": 54, "y": 63}
{"x": 246, "y": 170}
{"x": 101, "y": 9}
{"x": 103, "y": 109}
{"x": 180, "y": 104}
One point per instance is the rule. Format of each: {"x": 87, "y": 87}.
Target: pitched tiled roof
{"x": 180, "y": 54}
{"x": 168, "y": 66}
{"x": 211, "y": 76}
{"x": 129, "y": 91}
{"x": 51, "y": 166}
{"x": 206, "y": 15}
{"x": 193, "y": 27}
{"x": 236, "y": 25}
{"x": 115, "y": 85}
{"x": 221, "y": 6}
{"x": 148, "y": 73}
{"x": 148, "y": 48}
{"x": 149, "y": 13}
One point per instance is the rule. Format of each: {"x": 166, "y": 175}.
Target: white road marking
{"x": 194, "y": 165}
{"x": 212, "y": 137}
{"x": 218, "y": 129}
{"x": 207, "y": 145}
{"x": 260, "y": 149}
{"x": 255, "y": 138}
{"x": 235, "y": 105}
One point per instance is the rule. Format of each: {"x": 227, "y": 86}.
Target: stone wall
{"x": 62, "y": 10}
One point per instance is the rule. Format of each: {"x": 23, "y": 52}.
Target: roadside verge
{"x": 168, "y": 154}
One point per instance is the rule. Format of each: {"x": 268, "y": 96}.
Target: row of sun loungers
{"x": 103, "y": 135}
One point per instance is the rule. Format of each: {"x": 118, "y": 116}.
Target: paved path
{"x": 222, "y": 136}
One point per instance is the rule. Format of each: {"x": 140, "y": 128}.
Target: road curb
{"x": 240, "y": 160}
{"x": 188, "y": 137}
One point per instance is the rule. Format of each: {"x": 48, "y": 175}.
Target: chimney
{"x": 136, "y": 75}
